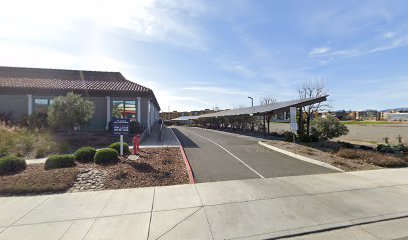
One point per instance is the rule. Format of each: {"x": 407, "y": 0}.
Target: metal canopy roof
{"x": 273, "y": 107}
{"x": 258, "y": 110}
{"x": 185, "y": 118}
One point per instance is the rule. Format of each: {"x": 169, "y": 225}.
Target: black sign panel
{"x": 120, "y": 126}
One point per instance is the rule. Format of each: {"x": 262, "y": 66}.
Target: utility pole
{"x": 252, "y": 120}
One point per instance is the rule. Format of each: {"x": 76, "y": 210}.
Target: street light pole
{"x": 252, "y": 100}
{"x": 252, "y": 120}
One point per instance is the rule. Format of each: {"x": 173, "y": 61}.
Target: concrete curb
{"x": 189, "y": 170}
{"x": 302, "y": 158}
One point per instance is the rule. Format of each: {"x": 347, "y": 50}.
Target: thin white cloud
{"x": 233, "y": 65}
{"x": 28, "y": 56}
{"x": 394, "y": 42}
{"x": 218, "y": 90}
{"x": 389, "y": 35}
{"x": 346, "y": 18}
{"x": 145, "y": 20}
{"x": 319, "y": 51}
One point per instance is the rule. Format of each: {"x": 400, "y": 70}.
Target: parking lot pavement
{"x": 217, "y": 156}
{"x": 358, "y": 205}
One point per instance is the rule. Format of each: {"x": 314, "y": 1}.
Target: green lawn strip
{"x": 366, "y": 122}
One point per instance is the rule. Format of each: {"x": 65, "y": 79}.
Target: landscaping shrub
{"x": 392, "y": 149}
{"x": 116, "y": 146}
{"x": 327, "y": 128}
{"x": 6, "y": 117}
{"x": 85, "y": 154}
{"x": 63, "y": 146}
{"x": 288, "y": 136}
{"x": 38, "y": 120}
{"x": 135, "y": 128}
{"x": 348, "y": 153}
{"x": 346, "y": 144}
{"x": 40, "y": 153}
{"x": 106, "y": 155}
{"x": 25, "y": 142}
{"x": 11, "y": 164}
{"x": 59, "y": 161}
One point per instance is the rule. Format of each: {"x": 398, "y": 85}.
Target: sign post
{"x": 120, "y": 127}
{"x": 293, "y": 122}
{"x": 121, "y": 145}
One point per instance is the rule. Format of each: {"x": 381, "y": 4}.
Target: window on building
{"x": 42, "y": 104}
{"x": 124, "y": 109}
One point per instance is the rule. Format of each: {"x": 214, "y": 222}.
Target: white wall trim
{"x": 30, "y": 104}
{"x": 138, "y": 110}
{"x": 108, "y": 111}
{"x": 148, "y": 115}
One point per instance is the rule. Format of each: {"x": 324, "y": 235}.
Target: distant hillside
{"x": 395, "y": 109}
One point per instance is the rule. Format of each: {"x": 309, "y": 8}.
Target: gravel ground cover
{"x": 334, "y": 153}
{"x": 153, "y": 167}
{"x": 34, "y": 179}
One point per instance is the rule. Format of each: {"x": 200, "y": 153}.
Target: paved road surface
{"x": 218, "y": 156}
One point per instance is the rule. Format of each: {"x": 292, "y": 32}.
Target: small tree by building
{"x": 70, "y": 111}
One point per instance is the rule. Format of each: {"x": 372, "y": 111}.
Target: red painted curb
{"x": 189, "y": 171}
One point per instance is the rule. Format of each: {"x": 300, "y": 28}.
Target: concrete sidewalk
{"x": 153, "y": 140}
{"x": 355, "y": 202}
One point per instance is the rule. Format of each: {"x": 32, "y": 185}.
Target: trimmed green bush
{"x": 85, "y": 154}
{"x": 106, "y": 155}
{"x": 11, "y": 164}
{"x": 116, "y": 146}
{"x": 392, "y": 149}
{"x": 60, "y": 161}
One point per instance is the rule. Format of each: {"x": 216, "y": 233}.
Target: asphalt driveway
{"x": 219, "y": 156}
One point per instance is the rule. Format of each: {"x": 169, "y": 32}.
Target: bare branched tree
{"x": 267, "y": 99}
{"x": 312, "y": 89}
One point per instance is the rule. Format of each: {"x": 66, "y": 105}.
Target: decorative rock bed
{"x": 89, "y": 180}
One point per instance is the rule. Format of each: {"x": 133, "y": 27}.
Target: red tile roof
{"x": 38, "y": 78}
{"x": 43, "y": 81}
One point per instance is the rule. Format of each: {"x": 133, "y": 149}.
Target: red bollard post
{"x": 138, "y": 142}
{"x": 135, "y": 144}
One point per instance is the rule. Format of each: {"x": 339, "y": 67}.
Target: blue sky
{"x": 205, "y": 54}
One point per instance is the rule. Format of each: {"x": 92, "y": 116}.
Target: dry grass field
{"x": 372, "y": 133}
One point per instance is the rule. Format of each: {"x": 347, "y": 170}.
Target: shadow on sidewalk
{"x": 185, "y": 141}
